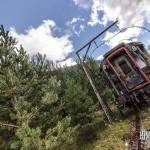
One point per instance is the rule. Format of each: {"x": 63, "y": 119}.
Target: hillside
{"x": 44, "y": 108}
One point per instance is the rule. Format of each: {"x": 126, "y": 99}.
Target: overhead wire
{"x": 120, "y": 31}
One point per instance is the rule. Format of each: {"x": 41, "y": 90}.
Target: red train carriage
{"x": 128, "y": 70}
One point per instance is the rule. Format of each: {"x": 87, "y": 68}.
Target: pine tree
{"x": 44, "y": 107}
{"x": 29, "y": 102}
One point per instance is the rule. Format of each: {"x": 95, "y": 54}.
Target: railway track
{"x": 135, "y": 142}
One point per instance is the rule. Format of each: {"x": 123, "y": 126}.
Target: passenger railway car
{"x": 127, "y": 68}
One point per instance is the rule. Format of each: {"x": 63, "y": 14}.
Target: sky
{"x": 58, "y": 28}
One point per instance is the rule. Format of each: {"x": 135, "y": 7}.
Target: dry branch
{"x": 8, "y": 125}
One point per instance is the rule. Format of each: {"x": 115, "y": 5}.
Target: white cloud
{"x": 76, "y": 19}
{"x": 125, "y": 36}
{"x": 135, "y": 12}
{"x": 78, "y": 31}
{"x": 95, "y": 13}
{"x": 128, "y": 12}
{"x": 82, "y": 28}
{"x": 76, "y": 25}
{"x": 83, "y": 3}
{"x": 100, "y": 57}
{"x": 42, "y": 40}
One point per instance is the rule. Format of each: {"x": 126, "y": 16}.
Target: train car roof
{"x": 119, "y": 46}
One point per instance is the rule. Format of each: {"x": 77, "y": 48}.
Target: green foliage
{"x": 44, "y": 107}
{"x": 27, "y": 139}
{"x": 58, "y": 138}
{"x": 61, "y": 136}
{"x": 77, "y": 103}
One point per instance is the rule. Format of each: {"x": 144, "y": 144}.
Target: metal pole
{"x": 87, "y": 74}
{"x": 95, "y": 90}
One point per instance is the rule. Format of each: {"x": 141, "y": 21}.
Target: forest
{"x": 47, "y": 107}
{"x": 42, "y": 105}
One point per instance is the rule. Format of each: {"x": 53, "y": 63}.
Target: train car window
{"x": 140, "y": 62}
{"x": 138, "y": 57}
{"x": 124, "y": 67}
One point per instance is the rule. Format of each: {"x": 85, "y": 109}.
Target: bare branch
{"x": 8, "y": 125}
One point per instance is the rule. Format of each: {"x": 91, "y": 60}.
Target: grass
{"x": 146, "y": 120}
{"x": 114, "y": 137}
{"x": 117, "y": 135}
{"x": 109, "y": 137}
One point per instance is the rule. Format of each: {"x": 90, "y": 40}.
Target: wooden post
{"x": 95, "y": 90}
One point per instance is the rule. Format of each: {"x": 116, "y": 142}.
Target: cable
{"x": 121, "y": 30}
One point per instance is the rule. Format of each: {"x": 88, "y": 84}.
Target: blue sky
{"x": 58, "y": 28}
